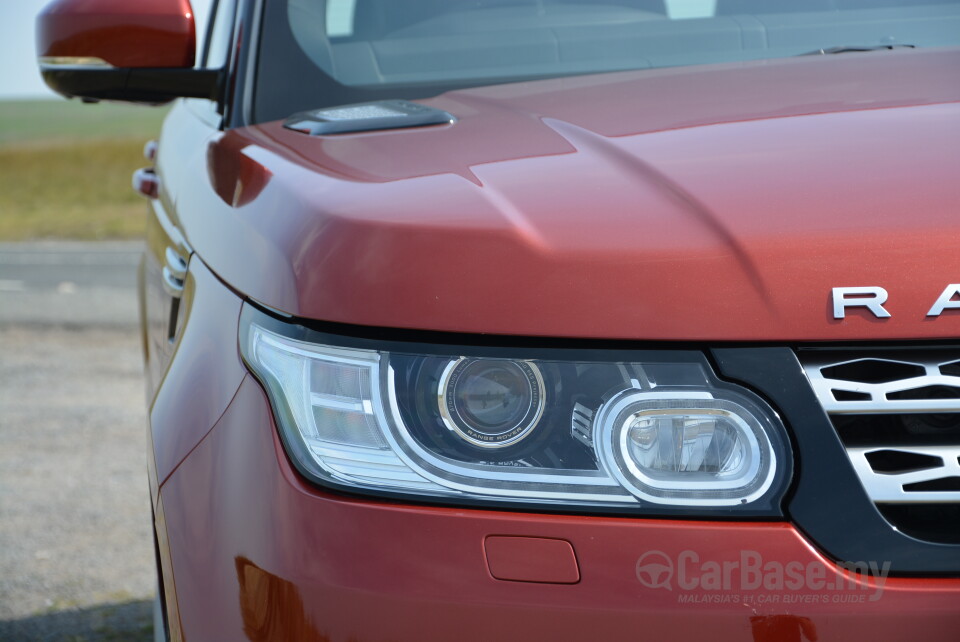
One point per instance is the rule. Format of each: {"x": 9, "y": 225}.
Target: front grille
{"x": 897, "y": 413}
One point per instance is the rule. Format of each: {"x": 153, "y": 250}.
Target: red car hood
{"x": 701, "y": 203}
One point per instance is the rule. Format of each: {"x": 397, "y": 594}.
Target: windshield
{"x": 319, "y": 53}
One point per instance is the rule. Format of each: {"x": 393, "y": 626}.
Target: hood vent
{"x": 365, "y": 117}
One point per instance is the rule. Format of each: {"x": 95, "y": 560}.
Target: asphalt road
{"x": 76, "y": 558}
{"x": 66, "y": 284}
{"x": 45, "y": 265}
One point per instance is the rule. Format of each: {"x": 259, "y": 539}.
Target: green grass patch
{"x": 65, "y": 169}
{"x": 48, "y": 121}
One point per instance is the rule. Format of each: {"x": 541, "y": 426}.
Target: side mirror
{"x": 137, "y": 51}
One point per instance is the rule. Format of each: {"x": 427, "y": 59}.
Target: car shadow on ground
{"x": 127, "y": 621}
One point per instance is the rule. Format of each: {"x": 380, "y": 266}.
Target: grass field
{"x": 65, "y": 169}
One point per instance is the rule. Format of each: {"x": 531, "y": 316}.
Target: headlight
{"x": 653, "y": 431}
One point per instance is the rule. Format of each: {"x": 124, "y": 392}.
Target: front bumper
{"x": 252, "y": 551}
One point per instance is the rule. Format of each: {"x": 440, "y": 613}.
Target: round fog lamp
{"x": 685, "y": 448}
{"x": 491, "y": 403}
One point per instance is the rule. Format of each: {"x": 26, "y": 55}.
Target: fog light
{"x": 670, "y": 443}
{"x": 688, "y": 448}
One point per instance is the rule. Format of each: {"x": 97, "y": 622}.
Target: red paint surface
{"x": 702, "y": 203}
{"x": 203, "y": 375}
{"x": 531, "y": 559}
{"x": 236, "y": 178}
{"x": 124, "y": 33}
{"x": 258, "y": 554}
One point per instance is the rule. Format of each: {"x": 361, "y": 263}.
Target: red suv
{"x": 546, "y": 319}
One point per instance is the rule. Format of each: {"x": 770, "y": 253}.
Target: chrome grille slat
{"x": 888, "y": 487}
{"x": 857, "y": 386}
{"x": 879, "y": 401}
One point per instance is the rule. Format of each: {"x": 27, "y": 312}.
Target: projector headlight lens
{"x": 491, "y": 403}
{"x": 651, "y": 432}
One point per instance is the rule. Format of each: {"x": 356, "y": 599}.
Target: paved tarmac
{"x": 69, "y": 284}
{"x": 76, "y": 557}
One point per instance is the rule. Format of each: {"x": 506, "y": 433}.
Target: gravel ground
{"x": 76, "y": 556}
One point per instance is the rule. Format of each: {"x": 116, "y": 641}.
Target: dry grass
{"x": 65, "y": 170}
{"x": 73, "y": 191}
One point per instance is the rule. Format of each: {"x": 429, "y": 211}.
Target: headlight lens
{"x": 491, "y": 403}
{"x": 659, "y": 432}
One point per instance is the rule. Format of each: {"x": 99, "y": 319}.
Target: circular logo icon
{"x": 655, "y": 570}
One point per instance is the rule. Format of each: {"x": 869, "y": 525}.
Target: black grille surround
{"x": 829, "y": 502}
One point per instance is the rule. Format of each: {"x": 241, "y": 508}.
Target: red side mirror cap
{"x": 131, "y": 50}
{"x": 118, "y": 33}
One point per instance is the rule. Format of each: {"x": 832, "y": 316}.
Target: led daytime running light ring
{"x": 610, "y": 443}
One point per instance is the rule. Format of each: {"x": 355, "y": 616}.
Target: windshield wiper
{"x": 855, "y": 49}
